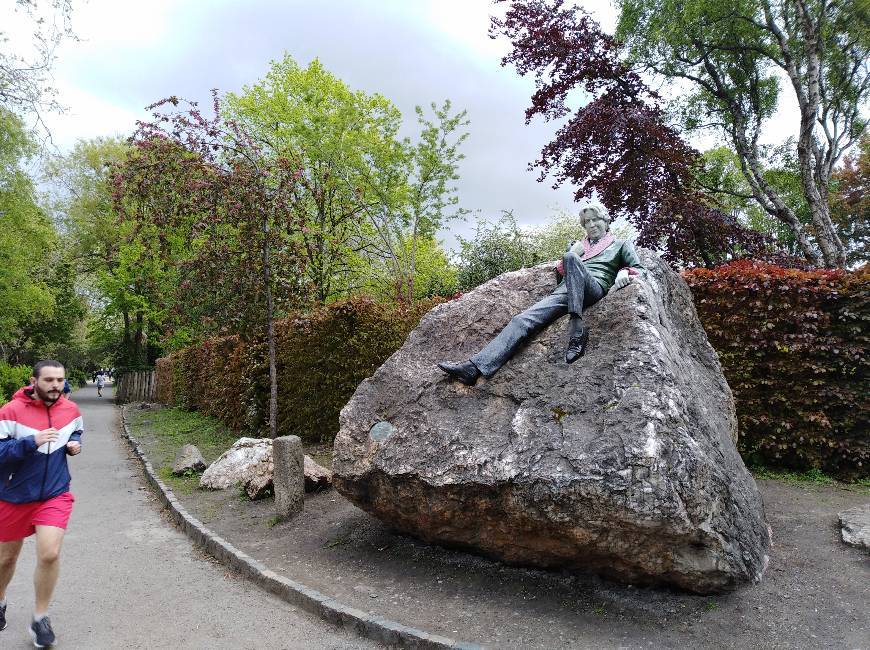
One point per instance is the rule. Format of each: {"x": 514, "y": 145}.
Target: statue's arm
{"x": 630, "y": 266}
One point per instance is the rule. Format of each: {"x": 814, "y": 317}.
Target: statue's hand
{"x": 623, "y": 279}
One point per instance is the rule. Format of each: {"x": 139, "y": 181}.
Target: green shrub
{"x": 11, "y": 379}
{"x": 77, "y": 377}
{"x": 793, "y": 346}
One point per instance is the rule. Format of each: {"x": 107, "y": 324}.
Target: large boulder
{"x": 247, "y": 463}
{"x": 623, "y": 463}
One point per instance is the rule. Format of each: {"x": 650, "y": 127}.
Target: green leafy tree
{"x": 733, "y": 56}
{"x": 367, "y": 197}
{"x": 495, "y": 249}
{"x": 413, "y": 196}
{"x": 119, "y": 262}
{"x": 332, "y": 134}
{"x": 434, "y": 274}
{"x": 28, "y": 243}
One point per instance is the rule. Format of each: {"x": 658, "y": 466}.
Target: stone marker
{"x": 317, "y": 477}
{"x": 289, "y": 476}
{"x": 855, "y": 526}
{"x": 248, "y": 463}
{"x": 623, "y": 463}
{"x": 188, "y": 459}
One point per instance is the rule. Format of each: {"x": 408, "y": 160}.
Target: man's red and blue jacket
{"x": 29, "y": 473}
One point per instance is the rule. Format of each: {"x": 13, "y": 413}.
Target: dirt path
{"x": 130, "y": 579}
{"x": 815, "y": 593}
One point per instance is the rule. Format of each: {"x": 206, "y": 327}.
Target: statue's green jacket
{"x": 604, "y": 266}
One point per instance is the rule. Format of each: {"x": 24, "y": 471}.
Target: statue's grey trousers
{"x": 579, "y": 291}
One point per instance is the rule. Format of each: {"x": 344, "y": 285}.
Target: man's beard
{"x": 46, "y": 397}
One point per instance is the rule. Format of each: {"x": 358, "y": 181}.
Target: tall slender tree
{"x": 736, "y": 58}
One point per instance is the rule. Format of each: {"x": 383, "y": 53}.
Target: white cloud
{"x": 87, "y": 116}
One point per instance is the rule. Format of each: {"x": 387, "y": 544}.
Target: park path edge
{"x": 337, "y": 613}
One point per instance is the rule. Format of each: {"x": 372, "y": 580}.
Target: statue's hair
{"x": 596, "y": 207}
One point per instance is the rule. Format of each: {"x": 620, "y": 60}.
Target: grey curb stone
{"x": 367, "y": 625}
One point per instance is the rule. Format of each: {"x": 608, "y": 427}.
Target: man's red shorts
{"x": 19, "y": 520}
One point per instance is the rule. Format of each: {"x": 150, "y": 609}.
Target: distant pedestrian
{"x": 101, "y": 382}
{"x": 38, "y": 429}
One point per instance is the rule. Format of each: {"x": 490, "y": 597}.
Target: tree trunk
{"x": 127, "y": 343}
{"x": 270, "y": 329}
{"x": 138, "y": 339}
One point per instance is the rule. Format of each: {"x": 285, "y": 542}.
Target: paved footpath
{"x": 130, "y": 579}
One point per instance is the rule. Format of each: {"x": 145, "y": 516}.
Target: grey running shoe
{"x": 2, "y": 617}
{"x": 41, "y": 633}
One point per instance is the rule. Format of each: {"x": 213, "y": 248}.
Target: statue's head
{"x": 592, "y": 211}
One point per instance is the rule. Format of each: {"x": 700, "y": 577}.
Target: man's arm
{"x": 74, "y": 446}
{"x": 12, "y": 449}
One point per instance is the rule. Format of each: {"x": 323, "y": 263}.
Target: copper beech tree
{"x": 223, "y": 214}
{"x": 621, "y": 145}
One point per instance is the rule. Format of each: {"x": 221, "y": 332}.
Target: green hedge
{"x": 322, "y": 357}
{"x": 11, "y": 379}
{"x": 793, "y": 346}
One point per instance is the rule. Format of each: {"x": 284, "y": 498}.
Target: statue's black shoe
{"x": 577, "y": 345}
{"x": 466, "y": 372}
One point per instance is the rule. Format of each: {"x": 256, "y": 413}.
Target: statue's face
{"x": 595, "y": 225}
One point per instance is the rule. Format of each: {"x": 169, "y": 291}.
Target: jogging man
{"x": 101, "y": 382}
{"x": 38, "y": 429}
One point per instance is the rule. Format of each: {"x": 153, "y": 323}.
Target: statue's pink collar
{"x": 591, "y": 251}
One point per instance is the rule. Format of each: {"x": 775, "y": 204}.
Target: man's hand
{"x": 73, "y": 447}
{"x": 47, "y": 435}
{"x": 623, "y": 279}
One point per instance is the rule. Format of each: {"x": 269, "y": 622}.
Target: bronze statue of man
{"x": 589, "y": 269}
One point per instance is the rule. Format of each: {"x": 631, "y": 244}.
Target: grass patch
{"x": 171, "y": 428}
{"x": 810, "y": 476}
{"x": 163, "y": 431}
{"x": 178, "y": 484}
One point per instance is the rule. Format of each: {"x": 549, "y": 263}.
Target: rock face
{"x": 188, "y": 459}
{"x": 248, "y": 463}
{"x": 855, "y": 526}
{"x": 623, "y": 463}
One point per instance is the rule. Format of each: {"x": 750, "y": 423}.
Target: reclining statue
{"x": 589, "y": 269}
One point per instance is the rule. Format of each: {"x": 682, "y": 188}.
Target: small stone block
{"x": 289, "y": 478}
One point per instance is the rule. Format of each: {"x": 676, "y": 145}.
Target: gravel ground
{"x": 815, "y": 594}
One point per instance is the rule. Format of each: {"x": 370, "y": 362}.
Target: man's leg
{"x": 48, "y": 543}
{"x": 8, "y": 558}
{"x": 520, "y": 328}
{"x": 583, "y": 289}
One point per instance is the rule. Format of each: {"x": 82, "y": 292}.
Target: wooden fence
{"x": 138, "y": 386}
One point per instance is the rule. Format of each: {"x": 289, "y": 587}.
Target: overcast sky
{"x": 132, "y": 53}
